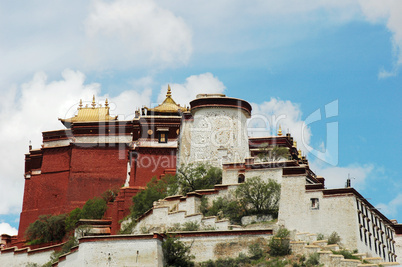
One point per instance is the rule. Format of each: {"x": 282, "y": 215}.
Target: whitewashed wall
{"x": 117, "y": 251}
{"x": 216, "y": 135}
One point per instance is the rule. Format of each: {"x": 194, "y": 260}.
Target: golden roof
{"x": 91, "y": 114}
{"x": 168, "y": 105}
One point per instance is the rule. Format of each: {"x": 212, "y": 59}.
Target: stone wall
{"x": 222, "y": 244}
{"x": 143, "y": 250}
{"x": 217, "y": 135}
{"x": 330, "y": 214}
{"x": 317, "y": 211}
{"x": 22, "y": 257}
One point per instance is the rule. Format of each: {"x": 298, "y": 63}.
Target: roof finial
{"x": 294, "y": 143}
{"x": 106, "y": 103}
{"x": 280, "y": 131}
{"x": 80, "y": 105}
{"x": 93, "y": 101}
{"x": 300, "y": 153}
{"x": 169, "y": 91}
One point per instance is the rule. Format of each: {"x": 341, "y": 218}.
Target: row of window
{"x": 375, "y": 233}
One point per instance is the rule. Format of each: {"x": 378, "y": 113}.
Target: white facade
{"x": 315, "y": 211}
{"x": 216, "y": 135}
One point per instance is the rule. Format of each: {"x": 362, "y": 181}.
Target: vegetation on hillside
{"x": 193, "y": 177}
{"x": 262, "y": 253}
{"x": 188, "y": 178}
{"x": 176, "y": 253}
{"x": 47, "y": 228}
{"x": 253, "y": 197}
{"x": 54, "y": 228}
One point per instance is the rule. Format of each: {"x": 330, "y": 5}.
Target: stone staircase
{"x": 307, "y": 244}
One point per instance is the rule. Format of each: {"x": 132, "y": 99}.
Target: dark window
{"x": 162, "y": 137}
{"x": 315, "y": 204}
{"x": 240, "y": 178}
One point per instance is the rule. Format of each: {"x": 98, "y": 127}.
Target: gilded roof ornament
{"x": 168, "y": 105}
{"x": 280, "y": 131}
{"x": 90, "y": 114}
{"x": 93, "y": 102}
{"x": 169, "y": 91}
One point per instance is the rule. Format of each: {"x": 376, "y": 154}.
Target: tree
{"x": 155, "y": 190}
{"x": 94, "y": 208}
{"x": 279, "y": 244}
{"x": 223, "y": 207}
{"x": 272, "y": 153}
{"x": 46, "y": 229}
{"x": 176, "y": 253}
{"x": 259, "y": 197}
{"x": 198, "y": 176}
{"x": 72, "y": 219}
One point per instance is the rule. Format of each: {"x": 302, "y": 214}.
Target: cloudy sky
{"x": 327, "y": 71}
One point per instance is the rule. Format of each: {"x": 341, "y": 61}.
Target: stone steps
{"x": 305, "y": 244}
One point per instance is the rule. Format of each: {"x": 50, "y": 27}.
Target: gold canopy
{"x": 91, "y": 114}
{"x": 168, "y": 105}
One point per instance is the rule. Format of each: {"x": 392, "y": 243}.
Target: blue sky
{"x": 289, "y": 59}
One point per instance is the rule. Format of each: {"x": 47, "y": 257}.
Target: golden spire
{"x": 280, "y": 131}
{"x": 93, "y": 101}
{"x": 106, "y": 103}
{"x": 300, "y": 153}
{"x": 80, "y": 105}
{"x": 169, "y": 91}
{"x": 295, "y": 143}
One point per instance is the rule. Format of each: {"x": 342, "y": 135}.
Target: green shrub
{"x": 73, "y": 217}
{"x": 259, "y": 197}
{"x": 256, "y": 251}
{"x": 334, "y": 238}
{"x": 176, "y": 253}
{"x": 225, "y": 208}
{"x": 198, "y": 176}
{"x": 320, "y": 237}
{"x": 191, "y": 226}
{"x": 94, "y": 208}
{"x": 346, "y": 254}
{"x": 279, "y": 244}
{"x": 155, "y": 190}
{"x": 313, "y": 260}
{"x": 46, "y": 229}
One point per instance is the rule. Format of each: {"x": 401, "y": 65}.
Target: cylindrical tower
{"x": 216, "y": 132}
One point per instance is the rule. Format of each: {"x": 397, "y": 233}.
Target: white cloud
{"x": 35, "y": 108}
{"x": 391, "y": 209}
{"x": 269, "y": 115}
{"x": 125, "y": 33}
{"x": 5, "y": 228}
{"x": 389, "y": 13}
{"x": 335, "y": 177}
{"x": 183, "y": 93}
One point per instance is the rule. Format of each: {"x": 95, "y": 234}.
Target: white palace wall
{"x": 333, "y": 213}
{"x": 216, "y": 135}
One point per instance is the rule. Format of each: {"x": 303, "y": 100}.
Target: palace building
{"x": 97, "y": 152}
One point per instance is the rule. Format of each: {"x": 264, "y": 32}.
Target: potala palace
{"x": 96, "y": 152}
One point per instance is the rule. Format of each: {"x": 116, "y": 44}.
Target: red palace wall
{"x": 69, "y": 177}
{"x": 151, "y": 162}
{"x": 95, "y": 169}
